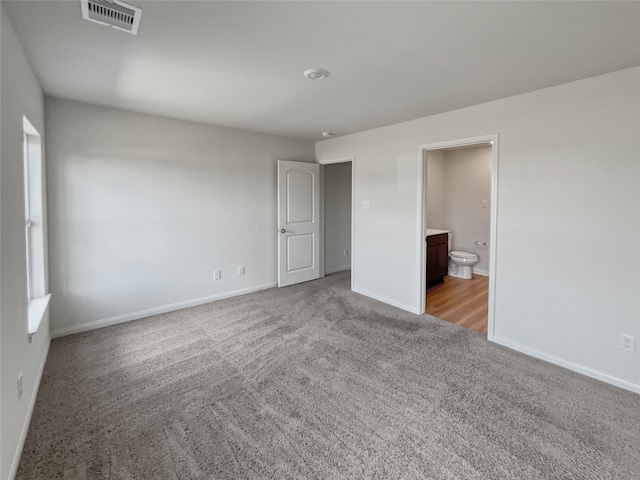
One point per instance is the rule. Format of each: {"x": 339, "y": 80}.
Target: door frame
{"x": 492, "y": 139}
{"x": 331, "y": 161}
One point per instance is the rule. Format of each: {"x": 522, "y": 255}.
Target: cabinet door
{"x": 442, "y": 261}
{"x": 432, "y": 264}
{"x": 437, "y": 263}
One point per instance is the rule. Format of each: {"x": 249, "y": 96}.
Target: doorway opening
{"x": 338, "y": 222}
{"x": 458, "y": 231}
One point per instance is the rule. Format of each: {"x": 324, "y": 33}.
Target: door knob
{"x": 282, "y": 230}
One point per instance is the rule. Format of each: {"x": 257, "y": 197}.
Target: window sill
{"x": 37, "y": 309}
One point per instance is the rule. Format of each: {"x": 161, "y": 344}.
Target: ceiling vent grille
{"x": 112, "y": 13}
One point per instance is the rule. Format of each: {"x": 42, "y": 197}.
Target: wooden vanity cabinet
{"x": 437, "y": 257}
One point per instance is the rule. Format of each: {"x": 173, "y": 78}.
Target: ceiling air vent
{"x": 112, "y": 13}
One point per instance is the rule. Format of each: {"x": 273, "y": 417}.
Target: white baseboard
{"x": 27, "y": 421}
{"x": 568, "y": 365}
{"x": 479, "y": 271}
{"x": 127, "y": 317}
{"x": 386, "y": 300}
{"x": 338, "y": 270}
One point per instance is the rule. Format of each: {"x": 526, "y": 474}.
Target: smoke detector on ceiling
{"x": 316, "y": 73}
{"x": 112, "y": 13}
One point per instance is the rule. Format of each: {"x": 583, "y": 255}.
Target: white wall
{"x": 458, "y": 181}
{"x": 21, "y": 95}
{"x": 143, "y": 209}
{"x": 435, "y": 182}
{"x": 467, "y": 185}
{"x": 337, "y": 217}
{"x": 568, "y": 200}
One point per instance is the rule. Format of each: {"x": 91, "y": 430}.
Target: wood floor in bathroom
{"x": 459, "y": 301}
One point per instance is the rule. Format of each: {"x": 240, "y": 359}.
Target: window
{"x": 37, "y": 296}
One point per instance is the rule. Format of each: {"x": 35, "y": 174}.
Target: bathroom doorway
{"x": 458, "y": 213}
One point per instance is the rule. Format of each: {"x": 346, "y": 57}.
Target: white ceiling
{"x": 240, "y": 64}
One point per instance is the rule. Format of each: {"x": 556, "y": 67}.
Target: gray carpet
{"x": 314, "y": 381}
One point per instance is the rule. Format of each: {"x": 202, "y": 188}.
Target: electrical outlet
{"x": 627, "y": 342}
{"x": 346, "y": 252}
{"x": 19, "y": 385}
{"x": 217, "y": 274}
{"x": 365, "y": 204}
{"x": 391, "y": 279}
{"x": 240, "y": 271}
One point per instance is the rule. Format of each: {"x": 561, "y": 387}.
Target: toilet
{"x": 462, "y": 263}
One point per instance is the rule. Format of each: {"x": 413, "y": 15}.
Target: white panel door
{"x": 298, "y": 222}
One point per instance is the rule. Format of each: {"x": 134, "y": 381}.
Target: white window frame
{"x": 35, "y": 234}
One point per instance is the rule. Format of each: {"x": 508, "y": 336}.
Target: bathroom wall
{"x": 458, "y": 185}
{"x": 337, "y": 217}
{"x": 435, "y": 206}
{"x": 467, "y": 184}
